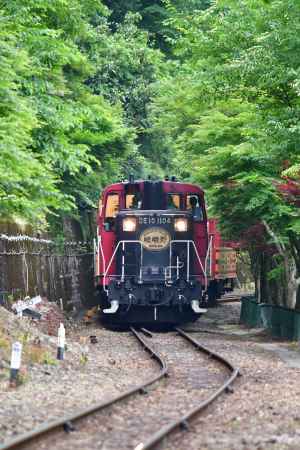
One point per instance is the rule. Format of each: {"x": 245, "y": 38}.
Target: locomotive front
{"x": 155, "y": 260}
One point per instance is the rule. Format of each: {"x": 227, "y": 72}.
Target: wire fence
{"x": 57, "y": 270}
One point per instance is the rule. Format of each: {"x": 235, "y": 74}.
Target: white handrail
{"x": 113, "y": 256}
{"x": 168, "y": 269}
{"x": 208, "y": 255}
{"x": 102, "y": 253}
{"x": 95, "y": 255}
{"x": 188, "y": 242}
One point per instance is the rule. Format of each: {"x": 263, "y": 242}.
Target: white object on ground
{"x": 28, "y": 302}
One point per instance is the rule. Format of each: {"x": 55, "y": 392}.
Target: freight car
{"x": 156, "y": 255}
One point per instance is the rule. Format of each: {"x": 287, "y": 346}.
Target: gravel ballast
{"x": 90, "y": 373}
{"x": 263, "y": 412}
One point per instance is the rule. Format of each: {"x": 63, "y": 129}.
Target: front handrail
{"x": 208, "y": 257}
{"x": 188, "y": 242}
{"x": 123, "y": 243}
{"x": 167, "y": 270}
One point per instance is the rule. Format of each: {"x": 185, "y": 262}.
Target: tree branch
{"x": 279, "y": 245}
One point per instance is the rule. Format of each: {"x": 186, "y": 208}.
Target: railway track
{"x": 66, "y": 422}
{"x": 230, "y": 299}
{"x": 182, "y": 422}
{"x": 154, "y": 437}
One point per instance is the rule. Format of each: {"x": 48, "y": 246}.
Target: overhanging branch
{"x": 279, "y": 245}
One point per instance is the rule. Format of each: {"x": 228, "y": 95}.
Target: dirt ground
{"x": 263, "y": 412}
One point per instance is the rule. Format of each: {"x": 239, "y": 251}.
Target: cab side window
{"x": 133, "y": 201}
{"x": 173, "y": 201}
{"x": 112, "y": 205}
{"x": 193, "y": 204}
{"x": 111, "y": 209}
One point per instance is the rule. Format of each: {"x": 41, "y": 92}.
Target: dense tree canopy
{"x": 154, "y": 16}
{"x": 125, "y": 68}
{"x": 56, "y": 130}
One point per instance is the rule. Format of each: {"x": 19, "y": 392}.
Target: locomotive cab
{"x": 152, "y": 252}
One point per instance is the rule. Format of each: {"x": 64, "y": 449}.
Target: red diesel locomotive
{"x": 155, "y": 258}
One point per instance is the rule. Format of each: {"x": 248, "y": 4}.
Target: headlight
{"x": 129, "y": 224}
{"x": 181, "y": 224}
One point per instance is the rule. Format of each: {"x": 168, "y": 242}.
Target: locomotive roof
{"x": 172, "y": 186}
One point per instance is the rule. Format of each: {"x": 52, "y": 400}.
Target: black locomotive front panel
{"x": 154, "y": 262}
{"x": 149, "y": 246}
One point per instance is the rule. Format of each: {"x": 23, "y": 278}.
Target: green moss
{"x": 49, "y": 359}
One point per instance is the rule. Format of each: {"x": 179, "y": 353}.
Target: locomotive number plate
{"x": 155, "y": 239}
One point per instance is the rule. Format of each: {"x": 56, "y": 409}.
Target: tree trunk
{"x": 292, "y": 281}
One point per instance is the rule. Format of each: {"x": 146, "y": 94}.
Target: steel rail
{"x": 146, "y": 332}
{"x": 230, "y": 299}
{"x": 182, "y": 422}
{"x": 66, "y": 422}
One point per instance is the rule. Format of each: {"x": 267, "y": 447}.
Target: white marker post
{"x": 15, "y": 363}
{"x": 61, "y": 342}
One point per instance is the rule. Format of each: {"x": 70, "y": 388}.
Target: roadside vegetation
{"x": 209, "y": 90}
{"x": 229, "y": 111}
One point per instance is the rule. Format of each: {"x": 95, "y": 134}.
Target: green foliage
{"x": 231, "y": 109}
{"x": 55, "y": 132}
{"x": 48, "y": 359}
{"x": 75, "y": 92}
{"x": 27, "y": 187}
{"x": 155, "y": 15}
{"x": 125, "y": 68}
{"x": 276, "y": 273}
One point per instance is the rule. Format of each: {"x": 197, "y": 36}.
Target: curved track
{"x": 182, "y": 422}
{"x": 67, "y": 421}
